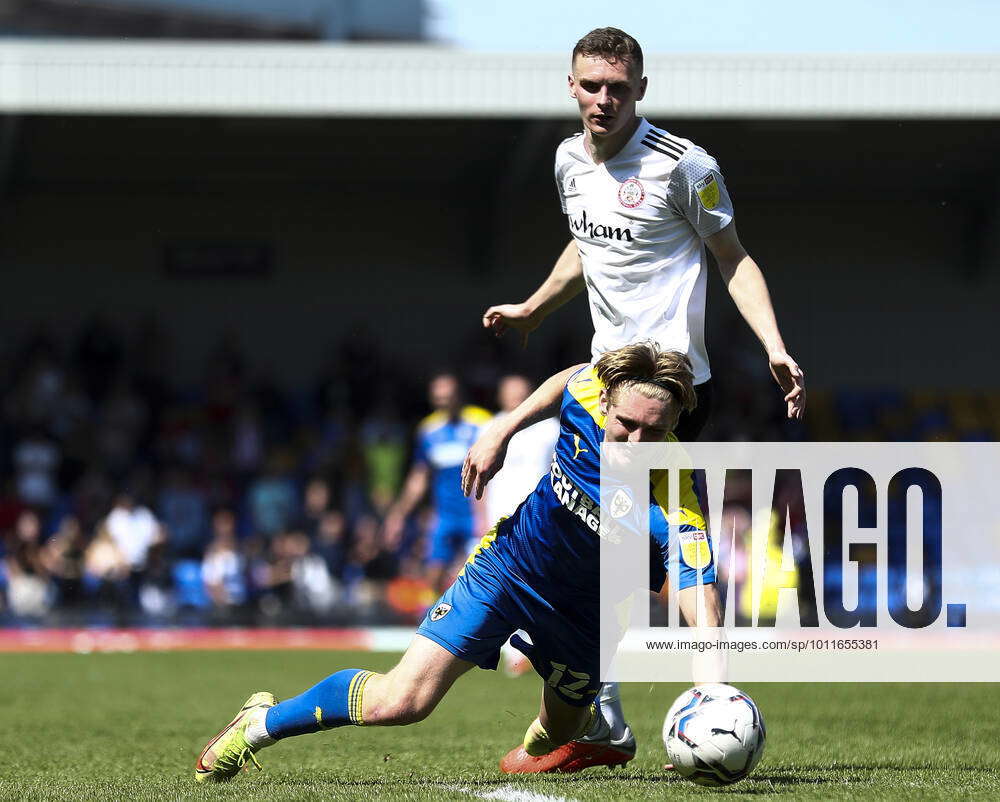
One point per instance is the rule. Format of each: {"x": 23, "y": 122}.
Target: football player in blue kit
{"x": 536, "y": 570}
{"x": 442, "y": 441}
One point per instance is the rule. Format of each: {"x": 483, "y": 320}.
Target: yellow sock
{"x": 537, "y": 741}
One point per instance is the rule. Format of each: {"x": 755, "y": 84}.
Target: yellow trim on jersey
{"x": 476, "y": 415}
{"x": 586, "y": 388}
{"x": 467, "y": 414}
{"x": 433, "y": 420}
{"x": 694, "y": 547}
{"x": 689, "y": 510}
{"x": 485, "y": 543}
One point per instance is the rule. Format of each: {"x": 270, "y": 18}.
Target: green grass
{"x": 130, "y": 726}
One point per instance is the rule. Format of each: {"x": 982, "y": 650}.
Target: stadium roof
{"x": 306, "y": 79}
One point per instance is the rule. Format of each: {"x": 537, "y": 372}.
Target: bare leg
{"x": 413, "y": 688}
{"x": 699, "y": 604}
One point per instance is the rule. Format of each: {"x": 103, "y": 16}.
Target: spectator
{"x": 272, "y": 497}
{"x": 312, "y": 586}
{"x": 384, "y": 444}
{"x": 184, "y": 511}
{"x": 331, "y": 543}
{"x": 224, "y": 569}
{"x": 371, "y": 565}
{"x": 123, "y": 419}
{"x": 36, "y": 460}
{"x": 134, "y": 531}
{"x": 316, "y": 503}
{"x": 11, "y": 505}
{"x": 371, "y": 562}
{"x": 63, "y": 555}
{"x": 29, "y": 592}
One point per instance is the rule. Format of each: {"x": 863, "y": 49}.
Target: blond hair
{"x": 656, "y": 374}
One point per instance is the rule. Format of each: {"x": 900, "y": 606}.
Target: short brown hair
{"x": 654, "y": 373}
{"x": 612, "y": 45}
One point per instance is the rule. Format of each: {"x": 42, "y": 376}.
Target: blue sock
{"x": 334, "y": 702}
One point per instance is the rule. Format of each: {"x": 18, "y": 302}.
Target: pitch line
{"x": 509, "y": 793}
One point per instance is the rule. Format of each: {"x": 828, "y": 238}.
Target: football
{"x": 714, "y": 734}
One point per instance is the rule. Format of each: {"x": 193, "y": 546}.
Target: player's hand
{"x": 791, "y": 380}
{"x": 515, "y": 316}
{"x": 482, "y": 462}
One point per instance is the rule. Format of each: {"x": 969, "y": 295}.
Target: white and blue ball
{"x": 714, "y": 734}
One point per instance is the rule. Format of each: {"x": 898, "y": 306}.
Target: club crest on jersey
{"x": 631, "y": 193}
{"x": 440, "y": 611}
{"x": 621, "y": 503}
{"x": 708, "y": 192}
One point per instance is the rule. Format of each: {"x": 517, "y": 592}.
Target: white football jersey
{"x": 638, "y": 220}
{"x": 529, "y": 457}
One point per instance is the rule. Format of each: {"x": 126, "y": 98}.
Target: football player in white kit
{"x": 642, "y": 206}
{"x": 529, "y": 453}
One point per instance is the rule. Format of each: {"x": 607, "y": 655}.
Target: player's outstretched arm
{"x": 563, "y": 283}
{"x": 487, "y": 454}
{"x": 747, "y": 286}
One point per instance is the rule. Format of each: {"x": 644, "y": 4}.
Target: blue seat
{"x": 188, "y": 585}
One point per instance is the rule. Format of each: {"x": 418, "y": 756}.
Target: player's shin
{"x": 334, "y": 702}
{"x": 702, "y": 610}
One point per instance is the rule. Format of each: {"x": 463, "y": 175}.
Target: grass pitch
{"x": 129, "y": 726}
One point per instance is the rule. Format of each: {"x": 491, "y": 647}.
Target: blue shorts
{"x": 539, "y": 571}
{"x": 448, "y": 540}
{"x": 481, "y": 610}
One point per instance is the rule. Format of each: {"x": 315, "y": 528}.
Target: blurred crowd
{"x": 126, "y": 498}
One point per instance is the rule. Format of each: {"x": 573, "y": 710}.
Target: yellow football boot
{"x": 228, "y": 752}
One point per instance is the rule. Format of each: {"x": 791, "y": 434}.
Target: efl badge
{"x": 440, "y": 612}
{"x": 694, "y": 549}
{"x": 631, "y": 193}
{"x": 708, "y": 192}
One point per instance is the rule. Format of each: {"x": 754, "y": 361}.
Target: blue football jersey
{"x": 442, "y": 444}
{"x": 551, "y": 544}
{"x": 539, "y": 569}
